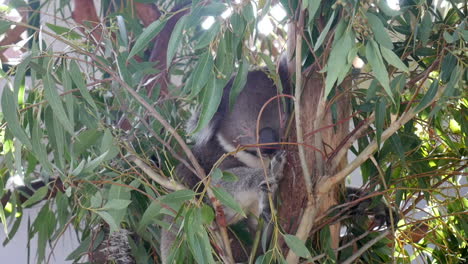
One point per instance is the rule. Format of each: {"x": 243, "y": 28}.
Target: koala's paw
{"x": 277, "y": 164}
{"x": 271, "y": 183}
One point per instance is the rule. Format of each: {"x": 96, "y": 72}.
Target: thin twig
{"x": 163, "y": 181}
{"x": 366, "y": 247}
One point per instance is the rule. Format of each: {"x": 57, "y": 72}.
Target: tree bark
{"x": 293, "y": 194}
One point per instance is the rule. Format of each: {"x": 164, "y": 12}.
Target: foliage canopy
{"x": 87, "y": 99}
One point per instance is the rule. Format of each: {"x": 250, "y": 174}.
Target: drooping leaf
{"x": 380, "y": 115}
{"x": 116, "y": 204}
{"x": 53, "y": 98}
{"x": 393, "y": 59}
{"x": 226, "y": 199}
{"x": 431, "y": 93}
{"x": 337, "y": 62}
{"x": 211, "y": 99}
{"x": 378, "y": 67}
{"x": 122, "y": 30}
{"x": 296, "y": 245}
{"x": 175, "y": 199}
{"x": 425, "y": 28}
{"x": 10, "y": 113}
{"x": 175, "y": 40}
{"x": 146, "y": 36}
{"x": 36, "y": 197}
{"x": 324, "y": 32}
{"x": 113, "y": 225}
{"x": 380, "y": 32}
{"x": 239, "y": 82}
{"x": 153, "y": 210}
{"x": 198, "y": 78}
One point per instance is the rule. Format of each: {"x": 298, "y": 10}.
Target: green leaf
{"x": 52, "y": 96}
{"x": 296, "y": 245}
{"x": 380, "y": 32}
{"x": 324, "y": 32}
{"x": 20, "y": 74}
{"x": 86, "y": 246}
{"x": 79, "y": 81}
{"x": 78, "y": 168}
{"x": 153, "y": 210}
{"x": 378, "y": 67}
{"x": 398, "y": 148}
{"x": 116, "y": 204}
{"x": 239, "y": 82}
{"x": 175, "y": 40}
{"x": 63, "y": 31}
{"x": 122, "y": 30}
{"x": 337, "y": 62}
{"x": 380, "y": 115}
{"x": 4, "y": 26}
{"x": 425, "y": 29}
{"x": 146, "y": 36}
{"x": 229, "y": 177}
{"x": 427, "y": 98}
{"x": 217, "y": 174}
{"x": 113, "y": 226}
{"x": 175, "y": 199}
{"x": 93, "y": 164}
{"x": 36, "y": 197}
{"x": 226, "y": 199}
{"x": 10, "y": 113}
{"x": 312, "y": 9}
{"x": 211, "y": 99}
{"x": 198, "y": 78}
{"x": 449, "y": 38}
{"x": 197, "y": 238}
{"x": 207, "y": 214}
{"x": 208, "y": 36}
{"x": 393, "y": 59}
{"x": 448, "y": 65}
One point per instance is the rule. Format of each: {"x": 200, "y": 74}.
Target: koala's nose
{"x": 268, "y": 135}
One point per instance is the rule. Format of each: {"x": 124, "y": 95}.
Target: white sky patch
{"x": 227, "y": 13}
{"x": 358, "y": 63}
{"x": 278, "y": 12}
{"x": 208, "y": 22}
{"x": 265, "y": 27}
{"x": 394, "y": 4}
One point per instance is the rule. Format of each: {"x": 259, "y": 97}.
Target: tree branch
{"x": 366, "y": 247}
{"x": 326, "y": 183}
{"x": 163, "y": 181}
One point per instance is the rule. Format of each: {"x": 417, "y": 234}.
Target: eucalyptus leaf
{"x": 296, "y": 245}
{"x": 376, "y": 62}
{"x": 146, "y": 36}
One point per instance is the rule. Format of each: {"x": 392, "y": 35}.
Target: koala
{"x": 235, "y": 126}
{"x": 250, "y": 192}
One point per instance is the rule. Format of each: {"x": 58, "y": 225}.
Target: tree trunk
{"x": 293, "y": 194}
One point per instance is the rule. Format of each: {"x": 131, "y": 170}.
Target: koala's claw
{"x": 271, "y": 183}
{"x": 277, "y": 164}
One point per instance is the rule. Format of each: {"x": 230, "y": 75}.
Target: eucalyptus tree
{"x": 93, "y": 115}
